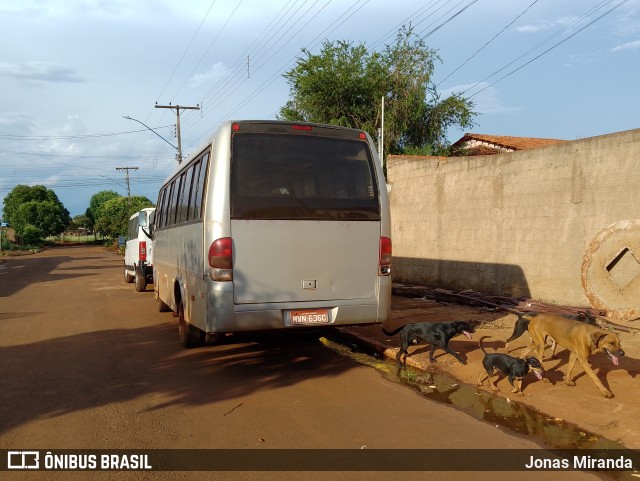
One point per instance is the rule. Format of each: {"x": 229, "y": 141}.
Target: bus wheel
{"x": 212, "y": 338}
{"x": 141, "y": 281}
{"x": 162, "y": 307}
{"x": 190, "y": 335}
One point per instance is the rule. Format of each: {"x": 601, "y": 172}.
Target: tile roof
{"x": 508, "y": 142}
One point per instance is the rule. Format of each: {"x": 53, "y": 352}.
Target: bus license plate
{"x": 316, "y": 316}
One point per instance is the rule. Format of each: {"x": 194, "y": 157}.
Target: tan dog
{"x": 581, "y": 339}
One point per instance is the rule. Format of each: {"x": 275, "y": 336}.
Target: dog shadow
{"x": 602, "y": 366}
{"x": 556, "y": 367}
{"x": 424, "y": 349}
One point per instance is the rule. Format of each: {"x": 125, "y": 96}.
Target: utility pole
{"x": 177, "y": 110}
{"x": 382, "y": 137}
{"x": 127, "y": 169}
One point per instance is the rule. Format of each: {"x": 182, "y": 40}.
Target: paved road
{"x": 86, "y": 362}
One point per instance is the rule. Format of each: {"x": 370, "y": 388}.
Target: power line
{"x": 71, "y": 137}
{"x": 176, "y": 68}
{"x": 228, "y": 86}
{"x": 415, "y": 15}
{"x": 186, "y": 49}
{"x": 251, "y": 49}
{"x": 552, "y": 47}
{"x": 572, "y": 24}
{"x": 278, "y": 72}
{"x": 260, "y": 46}
{"x": 488, "y": 42}
{"x": 127, "y": 169}
{"x": 177, "y": 110}
{"x": 207, "y": 51}
{"x": 463, "y": 9}
{"x": 80, "y": 157}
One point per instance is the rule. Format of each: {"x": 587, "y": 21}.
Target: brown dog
{"x": 581, "y": 339}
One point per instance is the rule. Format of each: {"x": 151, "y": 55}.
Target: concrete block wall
{"x": 517, "y": 223}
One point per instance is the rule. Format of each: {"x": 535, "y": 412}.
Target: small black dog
{"x": 515, "y": 369}
{"x": 437, "y": 334}
{"x": 522, "y": 325}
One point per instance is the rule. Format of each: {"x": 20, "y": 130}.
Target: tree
{"x": 96, "y": 202}
{"x": 80, "y": 221}
{"x": 37, "y": 207}
{"x": 114, "y": 214}
{"x": 344, "y": 85}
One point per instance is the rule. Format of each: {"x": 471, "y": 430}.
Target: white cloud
{"x": 486, "y": 102}
{"x": 40, "y": 72}
{"x": 86, "y": 8}
{"x": 50, "y": 181}
{"x": 635, "y": 45}
{"x": 215, "y": 73}
{"x": 542, "y": 25}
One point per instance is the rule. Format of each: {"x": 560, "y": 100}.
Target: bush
{"x": 31, "y": 236}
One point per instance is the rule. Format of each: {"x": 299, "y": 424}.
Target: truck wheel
{"x": 128, "y": 278}
{"x": 190, "y": 335}
{"x": 141, "y": 281}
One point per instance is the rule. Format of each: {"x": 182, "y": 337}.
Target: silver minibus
{"x": 272, "y": 225}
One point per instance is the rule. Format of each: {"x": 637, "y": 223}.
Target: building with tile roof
{"x": 483, "y": 144}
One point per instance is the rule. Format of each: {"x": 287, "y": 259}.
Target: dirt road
{"x": 88, "y": 363}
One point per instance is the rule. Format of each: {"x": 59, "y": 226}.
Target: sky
{"x": 71, "y": 71}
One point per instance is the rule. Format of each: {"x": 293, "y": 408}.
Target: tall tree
{"x": 344, "y": 84}
{"x": 38, "y": 207}
{"x": 114, "y": 214}
{"x": 96, "y": 202}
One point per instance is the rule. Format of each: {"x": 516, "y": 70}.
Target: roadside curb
{"x": 381, "y": 348}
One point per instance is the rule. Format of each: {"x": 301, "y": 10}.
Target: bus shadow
{"x": 56, "y": 377}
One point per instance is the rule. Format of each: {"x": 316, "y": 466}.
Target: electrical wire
{"x": 488, "y": 42}
{"x": 344, "y": 17}
{"x": 571, "y": 25}
{"x": 424, "y": 35}
{"x": 71, "y": 137}
{"x": 608, "y": 12}
{"x": 186, "y": 49}
{"x": 208, "y": 49}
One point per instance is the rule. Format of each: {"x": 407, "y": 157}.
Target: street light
{"x": 136, "y": 120}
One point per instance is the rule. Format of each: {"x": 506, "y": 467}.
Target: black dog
{"x": 522, "y": 326}
{"x": 437, "y": 334}
{"x": 512, "y": 367}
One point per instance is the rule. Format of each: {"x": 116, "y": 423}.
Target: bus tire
{"x": 190, "y": 335}
{"x": 162, "y": 307}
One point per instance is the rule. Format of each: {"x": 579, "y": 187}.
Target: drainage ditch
{"x": 440, "y": 387}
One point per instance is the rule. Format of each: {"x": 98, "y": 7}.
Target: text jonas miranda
{"x": 580, "y": 462}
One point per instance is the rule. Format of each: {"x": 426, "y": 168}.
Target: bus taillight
{"x": 221, "y": 259}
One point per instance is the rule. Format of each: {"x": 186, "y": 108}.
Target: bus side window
{"x": 197, "y": 201}
{"x": 171, "y": 207}
{"x": 184, "y": 197}
{"x": 179, "y": 198}
{"x": 160, "y": 211}
{"x": 194, "y": 190}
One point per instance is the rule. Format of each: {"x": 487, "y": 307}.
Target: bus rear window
{"x": 282, "y": 176}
